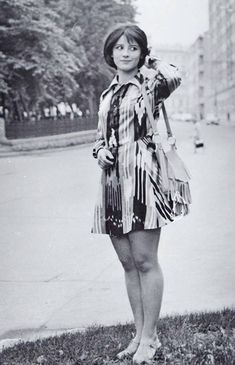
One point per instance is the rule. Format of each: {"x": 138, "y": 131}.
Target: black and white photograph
{"x": 117, "y": 150}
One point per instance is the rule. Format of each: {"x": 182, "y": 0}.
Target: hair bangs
{"x": 130, "y": 36}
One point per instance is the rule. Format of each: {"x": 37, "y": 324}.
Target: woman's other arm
{"x": 100, "y": 141}
{"x": 104, "y": 156}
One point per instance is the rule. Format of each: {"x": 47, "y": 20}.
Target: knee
{"x": 127, "y": 263}
{"x": 144, "y": 264}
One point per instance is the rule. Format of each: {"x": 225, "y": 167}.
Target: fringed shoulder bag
{"x": 174, "y": 174}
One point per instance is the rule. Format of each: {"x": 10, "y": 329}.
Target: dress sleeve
{"x": 166, "y": 80}
{"x": 100, "y": 141}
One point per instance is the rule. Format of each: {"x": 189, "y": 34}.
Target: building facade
{"x": 222, "y": 51}
{"x": 199, "y": 76}
{"x": 178, "y": 56}
{"x": 207, "y": 67}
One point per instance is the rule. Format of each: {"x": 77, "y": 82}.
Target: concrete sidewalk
{"x": 15, "y": 147}
{"x": 55, "y": 275}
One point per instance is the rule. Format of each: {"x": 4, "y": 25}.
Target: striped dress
{"x": 130, "y": 196}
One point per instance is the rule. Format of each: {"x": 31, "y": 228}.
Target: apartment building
{"x": 222, "y": 50}
{"x": 176, "y": 55}
{"x": 199, "y": 76}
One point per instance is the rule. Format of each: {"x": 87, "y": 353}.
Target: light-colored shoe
{"x": 146, "y": 352}
{"x": 129, "y": 351}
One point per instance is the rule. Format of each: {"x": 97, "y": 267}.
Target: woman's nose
{"x": 125, "y": 52}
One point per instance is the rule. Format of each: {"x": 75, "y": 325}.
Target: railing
{"x": 49, "y": 127}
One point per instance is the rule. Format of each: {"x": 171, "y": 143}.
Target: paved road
{"x": 54, "y": 274}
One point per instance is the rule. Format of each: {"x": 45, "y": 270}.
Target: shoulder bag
{"x": 174, "y": 174}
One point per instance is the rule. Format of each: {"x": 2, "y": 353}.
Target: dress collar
{"x": 137, "y": 80}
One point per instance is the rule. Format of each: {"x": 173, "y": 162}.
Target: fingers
{"x": 105, "y": 159}
{"x": 105, "y": 164}
{"x": 109, "y": 155}
{"x": 149, "y": 61}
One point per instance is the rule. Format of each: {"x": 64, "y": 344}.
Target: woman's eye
{"x": 134, "y": 48}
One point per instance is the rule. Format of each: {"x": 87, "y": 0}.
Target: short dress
{"x": 129, "y": 195}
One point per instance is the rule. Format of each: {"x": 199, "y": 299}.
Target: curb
{"x": 35, "y": 335}
{"x": 19, "y": 146}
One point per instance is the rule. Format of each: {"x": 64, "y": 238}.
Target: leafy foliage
{"x": 39, "y": 57}
{"x": 51, "y": 51}
{"x": 88, "y": 23}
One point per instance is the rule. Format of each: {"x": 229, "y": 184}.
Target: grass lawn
{"x": 198, "y": 338}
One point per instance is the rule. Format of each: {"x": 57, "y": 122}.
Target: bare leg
{"x": 144, "y": 248}
{"x": 132, "y": 279}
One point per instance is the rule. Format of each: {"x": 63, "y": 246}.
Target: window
{"x": 201, "y": 75}
{"x": 201, "y": 59}
{"x": 201, "y": 91}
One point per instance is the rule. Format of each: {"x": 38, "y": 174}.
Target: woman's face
{"x": 126, "y": 55}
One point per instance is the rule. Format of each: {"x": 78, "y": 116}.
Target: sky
{"x": 171, "y": 22}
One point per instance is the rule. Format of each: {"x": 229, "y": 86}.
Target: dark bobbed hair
{"x": 132, "y": 32}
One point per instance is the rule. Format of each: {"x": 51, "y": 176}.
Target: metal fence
{"x": 49, "y": 127}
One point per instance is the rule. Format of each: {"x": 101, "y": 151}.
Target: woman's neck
{"x": 124, "y": 77}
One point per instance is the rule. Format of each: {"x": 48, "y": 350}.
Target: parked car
{"x": 212, "y": 119}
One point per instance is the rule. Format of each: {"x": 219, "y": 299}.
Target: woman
{"x": 131, "y": 208}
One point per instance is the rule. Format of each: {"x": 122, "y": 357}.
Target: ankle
{"x": 148, "y": 338}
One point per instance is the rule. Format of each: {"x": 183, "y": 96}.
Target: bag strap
{"x": 166, "y": 119}
{"x": 151, "y": 117}
{"x": 149, "y": 111}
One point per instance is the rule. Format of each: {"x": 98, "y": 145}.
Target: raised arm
{"x": 166, "y": 78}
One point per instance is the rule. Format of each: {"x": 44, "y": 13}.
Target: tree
{"x": 91, "y": 20}
{"x": 51, "y": 51}
{"x": 38, "y": 60}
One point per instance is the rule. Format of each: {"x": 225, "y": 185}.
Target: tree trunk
{"x": 91, "y": 101}
{"x": 25, "y": 106}
{"x": 2, "y": 121}
{"x": 42, "y": 111}
{"x": 3, "y": 105}
{"x": 18, "y": 111}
